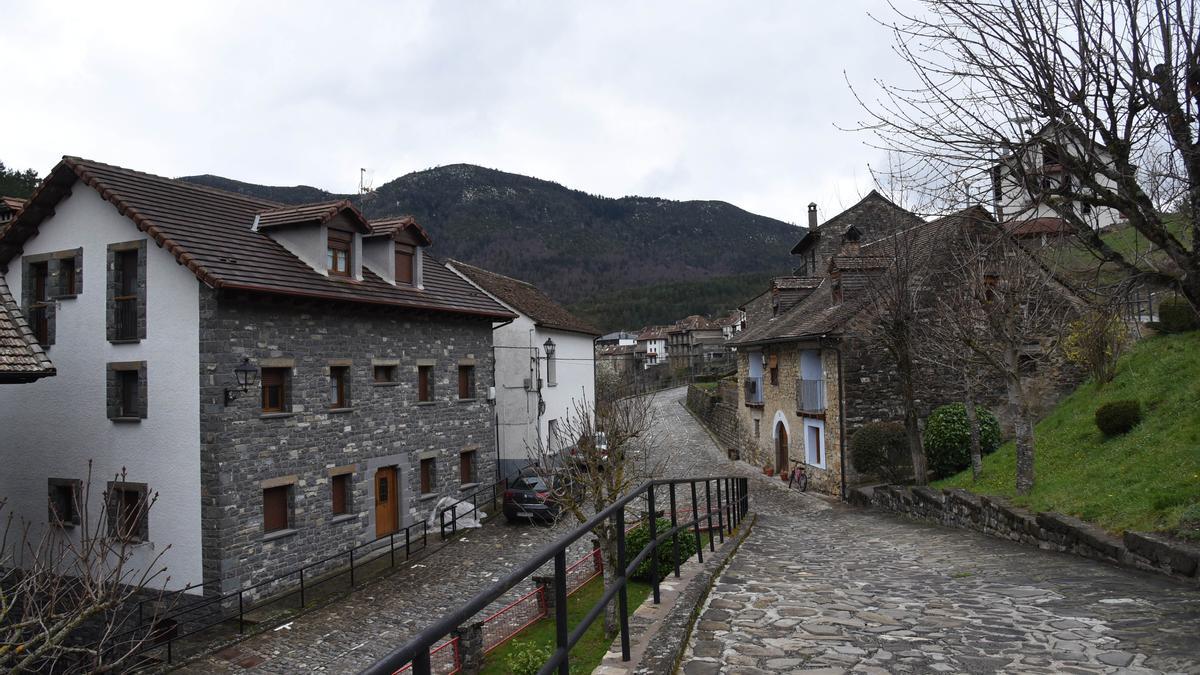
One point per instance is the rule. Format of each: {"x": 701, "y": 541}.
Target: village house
{"x": 651, "y": 350}
{"x": 22, "y": 359}
{"x": 289, "y": 381}
{"x": 9, "y": 208}
{"x": 544, "y": 361}
{"x": 810, "y": 375}
{"x": 697, "y": 346}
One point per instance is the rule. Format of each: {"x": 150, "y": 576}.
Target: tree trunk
{"x": 1022, "y": 425}
{"x": 911, "y": 424}
{"x": 608, "y": 551}
{"x": 973, "y": 426}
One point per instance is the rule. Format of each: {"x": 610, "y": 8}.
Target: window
{"x": 814, "y": 449}
{"x": 552, "y": 435}
{"x": 338, "y": 252}
{"x": 274, "y": 389}
{"x": 466, "y": 382}
{"x": 428, "y": 477}
{"x": 466, "y": 467}
{"x": 384, "y": 374}
{"x": 128, "y": 508}
{"x": 424, "y": 383}
{"x": 340, "y": 489}
{"x": 127, "y": 291}
{"x": 39, "y": 311}
{"x": 127, "y": 391}
{"x": 773, "y": 366}
{"x": 758, "y": 428}
{"x": 339, "y": 387}
{"x": 405, "y": 262}
{"x": 67, "y": 277}
{"x": 64, "y": 497}
{"x": 275, "y": 508}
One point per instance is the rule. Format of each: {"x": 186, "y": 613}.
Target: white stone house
{"x": 545, "y": 368}
{"x": 651, "y": 349}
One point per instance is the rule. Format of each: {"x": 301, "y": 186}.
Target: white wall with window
{"x": 814, "y": 443}
{"x": 54, "y": 426}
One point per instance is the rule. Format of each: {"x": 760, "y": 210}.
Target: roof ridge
{"x": 72, "y": 160}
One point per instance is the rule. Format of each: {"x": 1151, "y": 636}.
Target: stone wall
{"x": 243, "y": 450}
{"x": 717, "y": 410}
{"x": 1051, "y": 531}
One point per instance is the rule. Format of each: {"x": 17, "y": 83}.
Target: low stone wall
{"x": 996, "y": 517}
{"x": 717, "y": 410}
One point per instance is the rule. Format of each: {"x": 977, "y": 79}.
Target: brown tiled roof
{"x": 526, "y": 299}
{"x": 1036, "y": 227}
{"x": 320, "y": 213}
{"x": 12, "y": 203}
{"x": 209, "y": 232}
{"x": 652, "y": 333}
{"x": 615, "y": 350}
{"x": 817, "y": 315}
{"x": 859, "y": 262}
{"x": 21, "y": 357}
{"x": 693, "y": 322}
{"x": 796, "y": 283}
{"x": 393, "y": 226}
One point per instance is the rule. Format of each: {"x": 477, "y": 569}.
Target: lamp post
{"x": 245, "y": 374}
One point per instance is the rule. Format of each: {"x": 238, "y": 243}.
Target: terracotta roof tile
{"x": 320, "y": 213}
{"x": 209, "y": 232}
{"x": 1035, "y": 227}
{"x": 526, "y": 299}
{"x": 22, "y": 359}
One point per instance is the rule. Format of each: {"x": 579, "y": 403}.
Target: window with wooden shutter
{"x": 384, "y": 374}
{"x": 427, "y": 475}
{"x": 64, "y": 495}
{"x": 275, "y": 508}
{"x": 424, "y": 383}
{"x": 125, "y": 294}
{"x": 339, "y": 387}
{"x": 466, "y": 467}
{"x": 405, "y": 263}
{"x": 338, "y": 252}
{"x": 466, "y": 382}
{"x": 274, "y": 389}
{"x": 340, "y": 488}
{"x": 128, "y": 511}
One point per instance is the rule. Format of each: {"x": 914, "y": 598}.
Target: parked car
{"x": 533, "y": 495}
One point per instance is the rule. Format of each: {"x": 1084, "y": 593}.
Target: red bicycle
{"x": 799, "y": 478}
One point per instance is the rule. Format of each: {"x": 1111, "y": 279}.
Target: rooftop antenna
{"x": 363, "y": 186}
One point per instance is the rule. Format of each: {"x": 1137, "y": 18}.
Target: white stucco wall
{"x": 52, "y": 427}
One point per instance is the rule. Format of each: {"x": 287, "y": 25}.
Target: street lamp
{"x": 549, "y": 347}
{"x": 245, "y": 375}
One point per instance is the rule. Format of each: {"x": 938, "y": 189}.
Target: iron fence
{"x": 810, "y": 395}
{"x": 733, "y": 502}
{"x": 754, "y": 390}
{"x": 494, "y": 491}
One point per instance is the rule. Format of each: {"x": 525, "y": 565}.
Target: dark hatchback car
{"x": 533, "y": 496}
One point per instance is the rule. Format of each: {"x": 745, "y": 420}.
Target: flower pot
{"x": 769, "y": 471}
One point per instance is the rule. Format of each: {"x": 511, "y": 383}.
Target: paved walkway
{"x": 821, "y": 588}
{"x": 354, "y": 632}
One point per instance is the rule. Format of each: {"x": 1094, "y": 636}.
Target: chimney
{"x": 812, "y": 215}
{"x": 850, "y": 242}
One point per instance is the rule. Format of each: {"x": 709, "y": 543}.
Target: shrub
{"x": 639, "y": 537}
{"x": 1118, "y": 417}
{"x": 1095, "y": 341}
{"x": 1175, "y": 315}
{"x": 881, "y": 449}
{"x": 527, "y": 658}
{"x": 948, "y": 438}
{"x": 1189, "y": 523}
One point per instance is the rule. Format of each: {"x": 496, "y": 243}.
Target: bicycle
{"x": 799, "y": 478}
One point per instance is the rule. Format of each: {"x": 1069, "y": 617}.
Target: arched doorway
{"x": 781, "y": 449}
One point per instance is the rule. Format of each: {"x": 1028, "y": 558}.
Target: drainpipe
{"x": 841, "y": 416}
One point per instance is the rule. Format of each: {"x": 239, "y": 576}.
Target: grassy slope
{"x": 1140, "y": 481}
{"x": 589, "y": 651}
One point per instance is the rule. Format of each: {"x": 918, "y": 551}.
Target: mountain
{"x": 577, "y": 247}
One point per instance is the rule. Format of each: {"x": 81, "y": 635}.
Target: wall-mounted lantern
{"x": 245, "y": 375}
{"x": 549, "y": 347}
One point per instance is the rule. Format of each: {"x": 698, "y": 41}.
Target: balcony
{"x": 754, "y": 390}
{"x": 125, "y": 318}
{"x": 810, "y": 396}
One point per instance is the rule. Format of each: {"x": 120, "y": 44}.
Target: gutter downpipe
{"x": 841, "y": 417}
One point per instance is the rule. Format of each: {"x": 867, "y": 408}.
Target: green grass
{"x": 1076, "y": 260}
{"x": 1143, "y": 480}
{"x": 705, "y": 385}
{"x": 590, "y": 650}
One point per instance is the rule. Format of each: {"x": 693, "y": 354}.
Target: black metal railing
{"x": 125, "y": 318}
{"x": 493, "y": 492}
{"x": 810, "y": 395}
{"x": 186, "y": 618}
{"x": 732, "y": 498}
{"x": 754, "y": 390}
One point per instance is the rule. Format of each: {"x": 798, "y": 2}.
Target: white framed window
{"x": 814, "y": 443}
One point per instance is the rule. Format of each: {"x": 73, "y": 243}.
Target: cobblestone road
{"x": 821, "y": 588}
{"x": 354, "y": 632}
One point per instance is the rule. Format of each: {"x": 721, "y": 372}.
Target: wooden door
{"x": 387, "y": 500}
{"x": 781, "y": 450}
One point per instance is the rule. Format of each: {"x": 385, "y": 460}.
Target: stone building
{"x": 811, "y": 375}
{"x": 285, "y": 381}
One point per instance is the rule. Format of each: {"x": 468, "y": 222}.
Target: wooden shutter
{"x": 339, "y": 485}
{"x": 427, "y": 476}
{"x": 466, "y": 467}
{"x": 275, "y": 508}
{"x": 423, "y": 393}
{"x": 273, "y": 389}
{"x": 404, "y": 264}
{"x": 464, "y": 382}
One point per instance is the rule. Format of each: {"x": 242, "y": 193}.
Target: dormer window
{"x": 405, "y": 263}
{"x": 338, "y": 252}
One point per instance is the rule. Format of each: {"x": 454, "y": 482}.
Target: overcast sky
{"x": 736, "y": 101}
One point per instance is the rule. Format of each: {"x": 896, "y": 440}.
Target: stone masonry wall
{"x": 717, "y": 409}
{"x": 996, "y": 517}
{"x": 384, "y": 425}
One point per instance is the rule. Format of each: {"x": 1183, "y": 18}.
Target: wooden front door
{"x": 781, "y": 450}
{"x": 387, "y": 499}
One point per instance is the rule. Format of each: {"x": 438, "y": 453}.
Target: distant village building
{"x": 651, "y": 350}
{"x": 697, "y": 346}
{"x": 9, "y": 208}
{"x": 290, "y": 381}
{"x": 618, "y": 361}
{"x": 545, "y": 373}
{"x": 618, "y": 338}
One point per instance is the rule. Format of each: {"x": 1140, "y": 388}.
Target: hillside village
{"x": 472, "y": 421}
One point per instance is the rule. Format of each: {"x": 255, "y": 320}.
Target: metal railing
{"x": 181, "y": 620}
{"x": 494, "y": 491}
{"x": 125, "y": 318}
{"x": 810, "y": 395}
{"x": 732, "y": 499}
{"x": 754, "y": 390}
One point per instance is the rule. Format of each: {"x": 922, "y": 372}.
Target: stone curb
{"x": 996, "y": 517}
{"x": 662, "y": 647}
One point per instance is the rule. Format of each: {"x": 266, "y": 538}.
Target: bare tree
{"x": 69, "y": 592}
{"x": 1009, "y": 313}
{"x": 1110, "y": 87}
{"x": 599, "y": 459}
